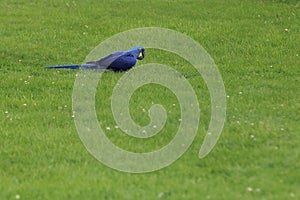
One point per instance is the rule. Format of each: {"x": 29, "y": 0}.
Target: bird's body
{"x": 116, "y": 61}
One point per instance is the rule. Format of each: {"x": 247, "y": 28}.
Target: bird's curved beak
{"x": 141, "y": 54}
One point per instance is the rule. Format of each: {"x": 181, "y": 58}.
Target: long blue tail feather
{"x": 65, "y": 66}
{"x": 91, "y": 65}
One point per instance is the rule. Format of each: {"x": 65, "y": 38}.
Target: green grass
{"x": 256, "y": 46}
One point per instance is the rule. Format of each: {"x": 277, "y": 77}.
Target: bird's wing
{"x": 107, "y": 60}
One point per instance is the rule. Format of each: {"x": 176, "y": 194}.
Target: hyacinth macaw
{"x": 116, "y": 61}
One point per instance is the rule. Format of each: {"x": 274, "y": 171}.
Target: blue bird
{"x": 116, "y": 61}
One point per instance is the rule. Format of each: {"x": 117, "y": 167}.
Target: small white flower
{"x": 143, "y": 110}
{"x": 6, "y": 112}
{"x": 252, "y": 136}
{"x": 24, "y": 104}
{"x": 154, "y": 126}
{"x": 144, "y": 131}
{"x": 116, "y": 126}
{"x": 227, "y": 96}
{"x": 252, "y": 124}
{"x": 174, "y": 104}
{"x": 240, "y": 92}
{"x": 292, "y": 194}
{"x": 160, "y": 195}
{"x": 282, "y": 129}
{"x": 180, "y": 120}
{"x": 249, "y": 189}
{"x": 18, "y": 196}
{"x": 108, "y": 128}
{"x": 286, "y": 30}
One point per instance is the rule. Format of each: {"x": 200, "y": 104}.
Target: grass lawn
{"x": 254, "y": 43}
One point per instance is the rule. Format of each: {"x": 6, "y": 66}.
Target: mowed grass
{"x": 256, "y": 47}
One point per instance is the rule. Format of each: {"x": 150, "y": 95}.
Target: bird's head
{"x": 139, "y": 51}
